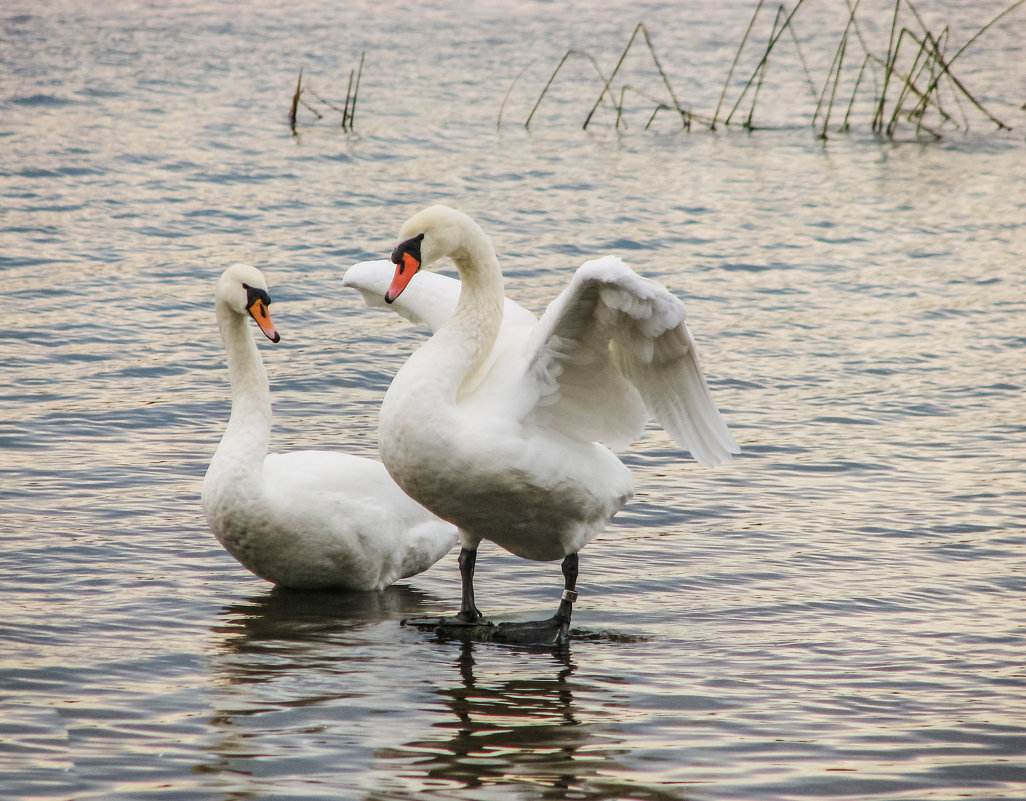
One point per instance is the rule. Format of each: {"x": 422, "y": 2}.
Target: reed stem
{"x": 498, "y": 122}
{"x": 345, "y": 109}
{"x": 605, "y": 88}
{"x": 758, "y": 72}
{"x": 888, "y": 69}
{"x": 685, "y": 122}
{"x": 562, "y": 61}
{"x": 733, "y": 64}
{"x": 356, "y": 91}
{"x": 914, "y": 86}
{"x": 295, "y": 101}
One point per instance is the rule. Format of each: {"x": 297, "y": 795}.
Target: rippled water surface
{"x": 837, "y": 613}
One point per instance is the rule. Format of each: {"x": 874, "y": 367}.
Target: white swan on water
{"x": 495, "y": 423}
{"x": 308, "y": 519}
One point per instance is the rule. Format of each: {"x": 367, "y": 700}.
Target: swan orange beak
{"x": 406, "y": 258}
{"x": 258, "y": 311}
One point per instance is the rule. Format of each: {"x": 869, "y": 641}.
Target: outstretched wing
{"x": 429, "y": 299}
{"x": 612, "y": 350}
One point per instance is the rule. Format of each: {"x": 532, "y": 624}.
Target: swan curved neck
{"x": 467, "y": 338}
{"x": 429, "y": 385}
{"x": 249, "y": 428}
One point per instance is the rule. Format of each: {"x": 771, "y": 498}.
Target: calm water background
{"x": 838, "y": 613}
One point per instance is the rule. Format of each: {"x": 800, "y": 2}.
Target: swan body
{"x": 520, "y": 469}
{"x": 307, "y": 519}
{"x": 502, "y": 422}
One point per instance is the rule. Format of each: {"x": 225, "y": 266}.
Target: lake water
{"x": 837, "y": 613}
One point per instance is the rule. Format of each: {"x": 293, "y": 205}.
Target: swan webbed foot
{"x": 456, "y": 622}
{"x": 468, "y": 617}
{"x": 454, "y": 628}
{"x": 554, "y": 631}
{"x": 470, "y": 624}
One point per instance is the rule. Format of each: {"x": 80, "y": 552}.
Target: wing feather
{"x": 429, "y": 299}
{"x": 582, "y": 393}
{"x": 612, "y": 350}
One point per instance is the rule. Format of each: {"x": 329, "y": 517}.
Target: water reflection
{"x": 299, "y": 621}
{"x": 513, "y": 720}
{"x": 300, "y": 680}
{"x": 529, "y": 720}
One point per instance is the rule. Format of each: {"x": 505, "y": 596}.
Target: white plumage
{"x": 307, "y": 519}
{"x": 496, "y": 422}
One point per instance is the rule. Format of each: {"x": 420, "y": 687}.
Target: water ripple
{"x": 836, "y": 613}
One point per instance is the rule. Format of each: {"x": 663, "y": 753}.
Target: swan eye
{"x": 253, "y": 294}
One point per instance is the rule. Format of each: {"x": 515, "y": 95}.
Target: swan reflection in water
{"x": 516, "y": 725}
{"x": 304, "y": 677}
{"x": 290, "y": 620}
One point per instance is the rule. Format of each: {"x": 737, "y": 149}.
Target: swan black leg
{"x": 469, "y": 613}
{"x": 566, "y": 604}
{"x": 468, "y": 622}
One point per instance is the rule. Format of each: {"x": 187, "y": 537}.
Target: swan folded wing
{"x": 352, "y": 506}
{"x": 615, "y": 344}
{"x": 295, "y": 477}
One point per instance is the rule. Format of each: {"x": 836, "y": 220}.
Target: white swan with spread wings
{"x": 503, "y": 423}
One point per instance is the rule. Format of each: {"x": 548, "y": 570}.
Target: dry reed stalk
{"x": 345, "y": 108}
{"x": 348, "y": 111}
{"x": 685, "y": 118}
{"x": 914, "y": 91}
{"x": 846, "y": 124}
{"x": 888, "y": 69}
{"x": 909, "y": 87}
{"x": 946, "y": 66}
{"x": 919, "y": 111}
{"x": 748, "y": 126}
{"x": 505, "y": 98}
{"x": 759, "y": 71}
{"x": 295, "y": 101}
{"x": 660, "y": 105}
{"x": 733, "y": 65}
{"x": 835, "y": 72}
{"x": 356, "y": 91}
{"x": 562, "y": 61}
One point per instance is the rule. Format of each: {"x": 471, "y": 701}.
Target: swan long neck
{"x": 475, "y": 323}
{"x": 463, "y": 344}
{"x": 428, "y": 387}
{"x": 248, "y": 433}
